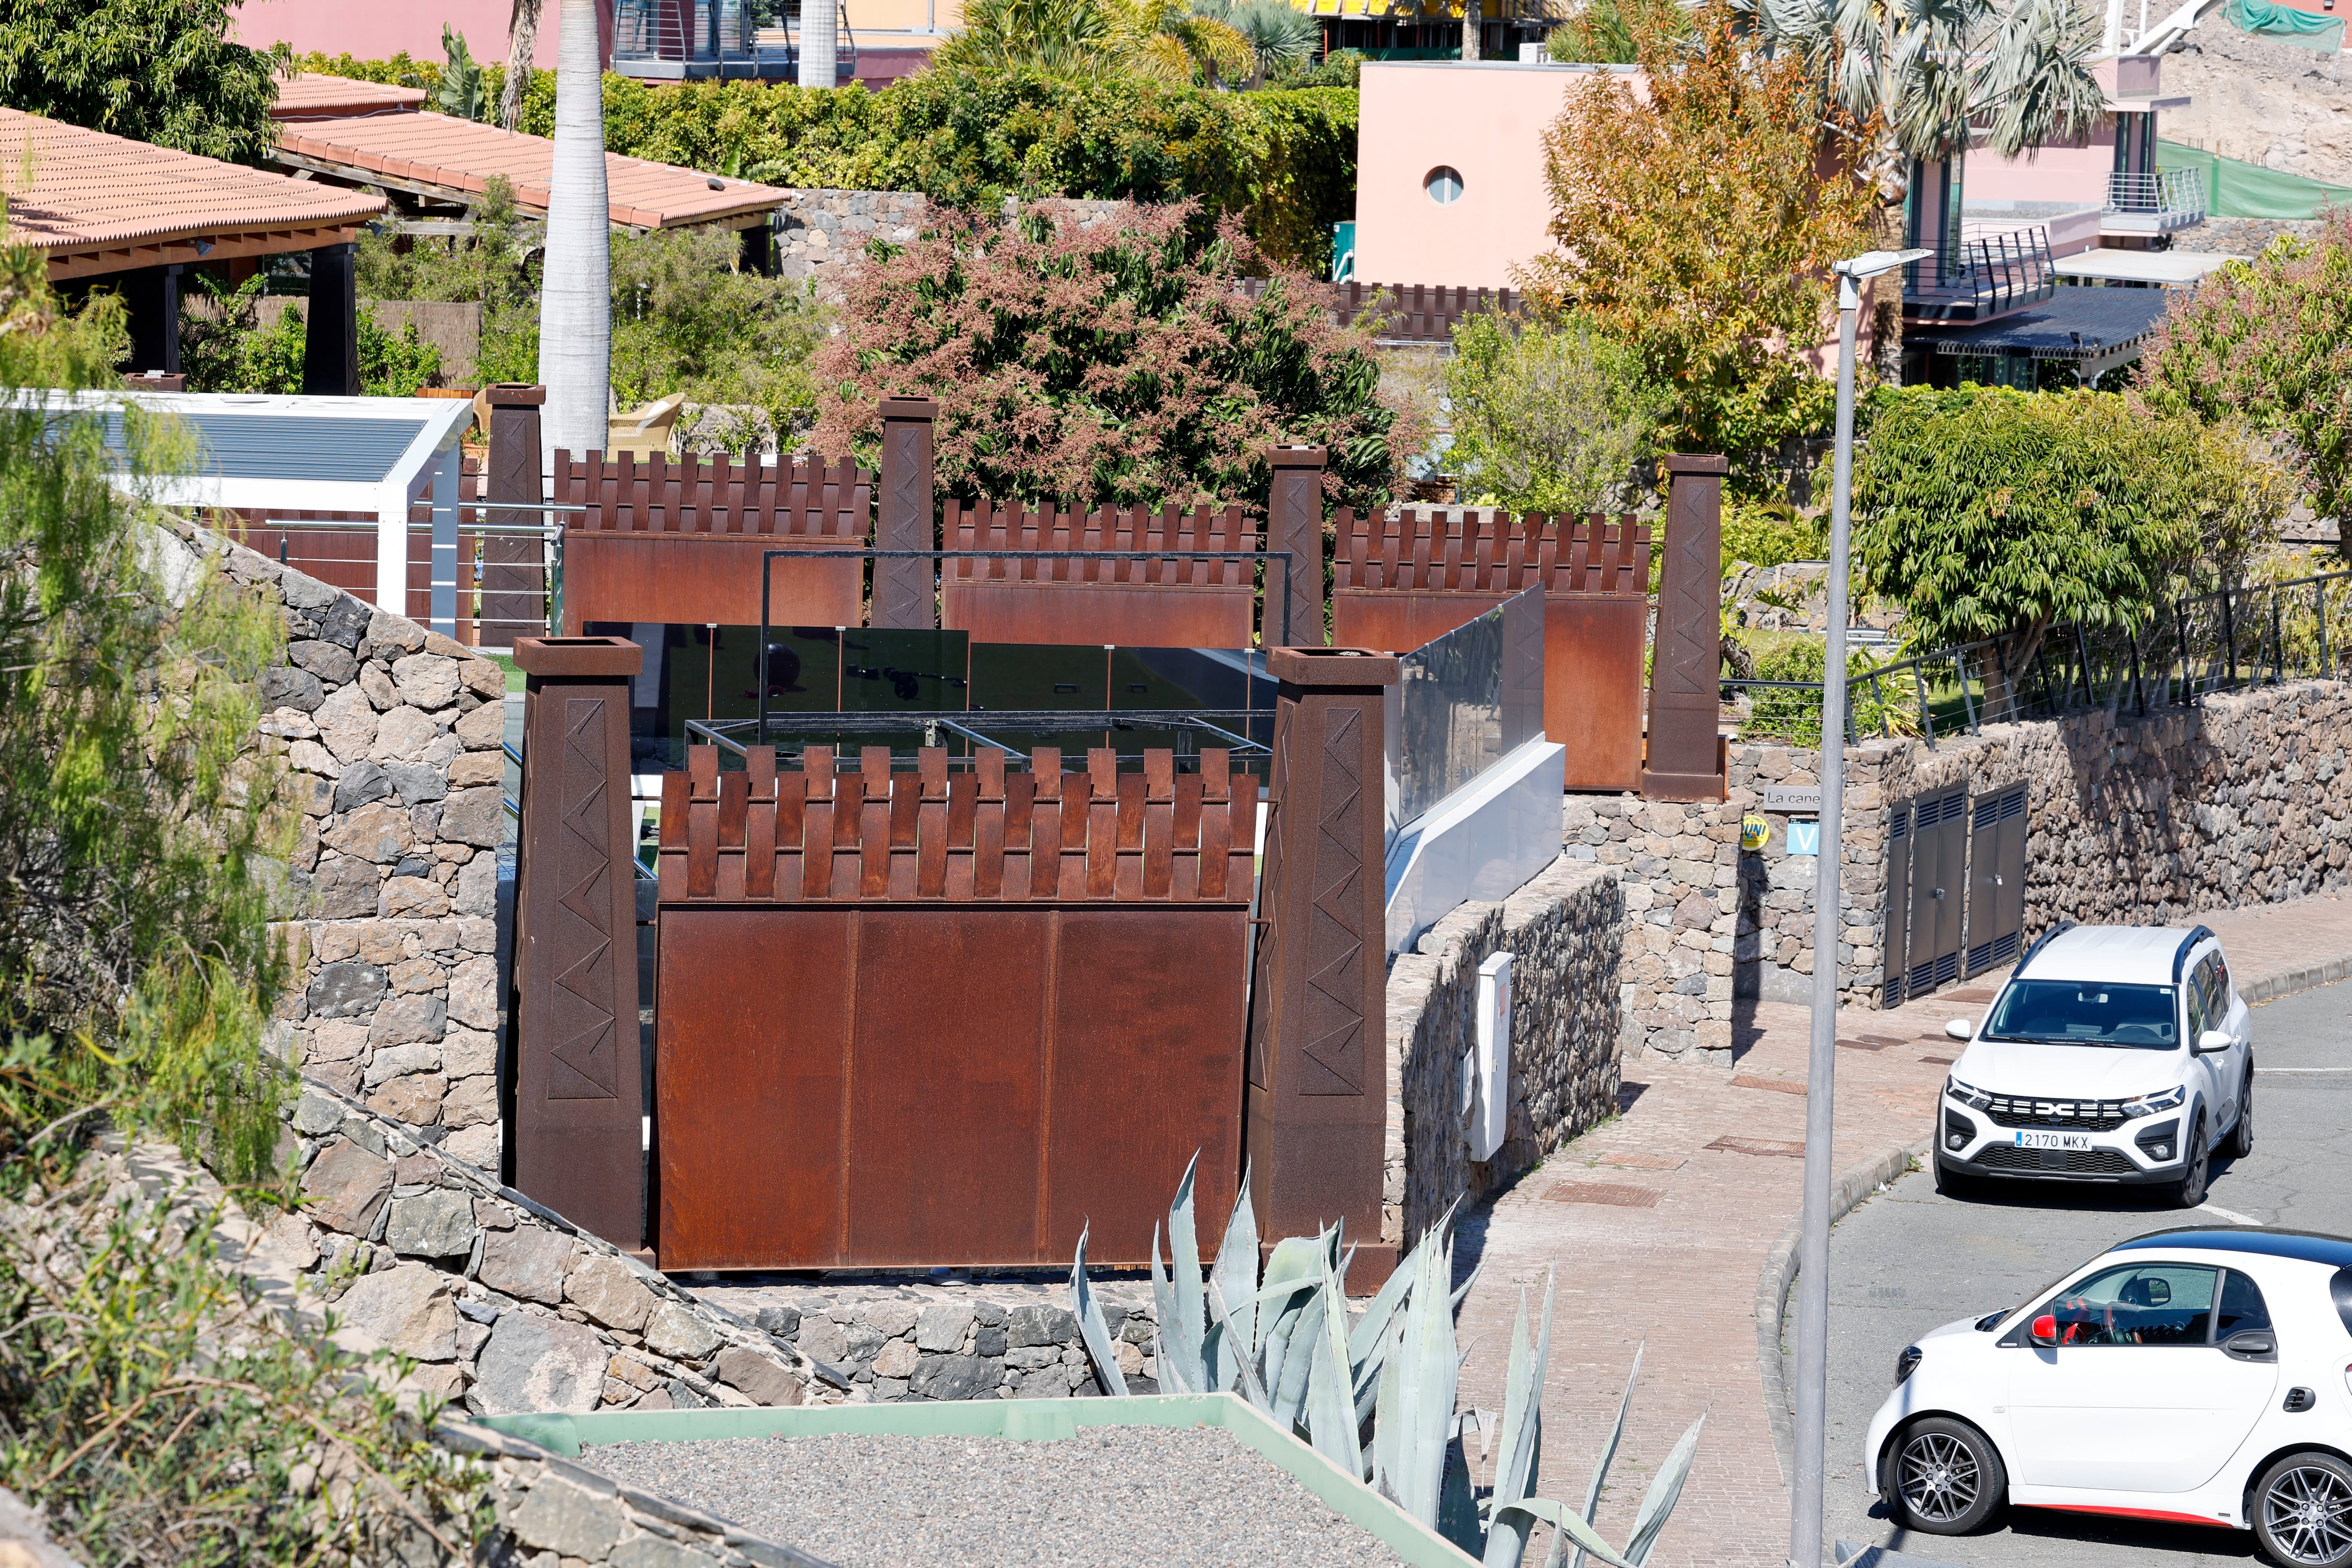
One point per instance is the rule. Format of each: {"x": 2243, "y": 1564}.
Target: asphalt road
{"x": 1908, "y": 1261}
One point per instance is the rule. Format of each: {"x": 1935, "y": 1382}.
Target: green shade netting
{"x": 2285, "y": 24}
{"x": 2236, "y": 189}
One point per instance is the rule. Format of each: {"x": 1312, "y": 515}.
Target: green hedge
{"x": 1283, "y": 161}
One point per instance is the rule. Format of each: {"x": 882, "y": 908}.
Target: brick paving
{"x": 1659, "y": 1222}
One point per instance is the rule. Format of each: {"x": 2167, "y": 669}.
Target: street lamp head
{"x": 1871, "y": 264}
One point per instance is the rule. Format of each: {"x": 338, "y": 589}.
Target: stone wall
{"x": 822, "y": 234}
{"x": 390, "y": 737}
{"x": 892, "y": 1340}
{"x": 506, "y": 1306}
{"x": 1567, "y": 928}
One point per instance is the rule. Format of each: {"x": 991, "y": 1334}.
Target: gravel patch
{"x": 1118, "y": 1497}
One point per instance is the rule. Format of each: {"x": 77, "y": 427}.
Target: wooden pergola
{"x": 102, "y": 206}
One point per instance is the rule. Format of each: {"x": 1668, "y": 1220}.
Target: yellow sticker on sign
{"x": 1753, "y": 831}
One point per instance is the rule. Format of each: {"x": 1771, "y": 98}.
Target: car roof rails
{"x": 2181, "y": 957}
{"x": 2061, "y": 929}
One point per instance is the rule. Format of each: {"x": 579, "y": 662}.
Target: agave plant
{"x": 1285, "y": 1343}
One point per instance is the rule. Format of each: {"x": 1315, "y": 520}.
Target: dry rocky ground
{"x": 2263, "y": 103}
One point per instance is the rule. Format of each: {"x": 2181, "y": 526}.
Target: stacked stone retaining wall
{"x": 1566, "y": 929}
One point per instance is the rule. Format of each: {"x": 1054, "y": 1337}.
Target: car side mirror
{"x": 1960, "y": 1029}
{"x": 2212, "y": 1041}
{"x": 2044, "y": 1331}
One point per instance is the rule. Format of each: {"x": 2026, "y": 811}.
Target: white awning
{"x": 2142, "y": 266}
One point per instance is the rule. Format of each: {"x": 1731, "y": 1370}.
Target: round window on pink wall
{"x": 1443, "y": 186}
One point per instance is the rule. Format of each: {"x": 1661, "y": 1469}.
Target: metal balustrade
{"x": 2167, "y": 192}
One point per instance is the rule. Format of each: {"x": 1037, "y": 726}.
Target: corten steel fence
{"x": 1403, "y": 580}
{"x": 915, "y": 1017}
{"x": 2249, "y": 635}
{"x": 1114, "y": 585}
{"x": 682, "y": 541}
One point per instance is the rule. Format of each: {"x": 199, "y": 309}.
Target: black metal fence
{"x": 2250, "y": 635}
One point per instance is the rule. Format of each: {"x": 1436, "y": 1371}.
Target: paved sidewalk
{"x": 1660, "y": 1222}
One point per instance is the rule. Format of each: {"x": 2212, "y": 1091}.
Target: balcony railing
{"x": 1986, "y": 272}
{"x": 670, "y": 41}
{"x": 2169, "y": 198}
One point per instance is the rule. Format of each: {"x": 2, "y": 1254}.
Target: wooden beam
{"x": 99, "y": 261}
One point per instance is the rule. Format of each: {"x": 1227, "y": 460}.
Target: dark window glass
{"x": 2137, "y": 1304}
{"x": 2072, "y": 1013}
{"x": 2241, "y": 1307}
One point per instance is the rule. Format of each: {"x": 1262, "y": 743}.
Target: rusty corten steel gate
{"x": 1139, "y": 604}
{"x": 683, "y": 541}
{"x": 924, "y": 1018}
{"x": 1402, "y": 581}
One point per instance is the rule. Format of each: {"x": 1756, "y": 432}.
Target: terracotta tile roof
{"x": 312, "y": 94}
{"x": 90, "y": 192}
{"x": 459, "y": 156}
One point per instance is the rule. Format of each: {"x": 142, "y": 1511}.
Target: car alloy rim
{"x": 2308, "y": 1512}
{"x": 1939, "y": 1477}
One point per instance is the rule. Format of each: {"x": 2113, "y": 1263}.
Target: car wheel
{"x": 1951, "y": 1184}
{"x": 2302, "y": 1511}
{"x": 2241, "y": 1136}
{"x": 2195, "y": 1178}
{"x": 1944, "y": 1477}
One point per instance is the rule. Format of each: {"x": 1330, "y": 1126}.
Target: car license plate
{"x": 2053, "y": 1140}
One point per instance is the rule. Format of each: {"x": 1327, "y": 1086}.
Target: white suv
{"x": 2198, "y": 1376}
{"x": 2114, "y": 1054}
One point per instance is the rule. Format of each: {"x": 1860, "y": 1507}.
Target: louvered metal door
{"x": 1995, "y": 879}
{"x": 1939, "y": 867}
{"x": 1896, "y": 910}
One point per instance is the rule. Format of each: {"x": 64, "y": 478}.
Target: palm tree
{"x": 575, "y": 309}
{"x": 1274, "y": 32}
{"x": 820, "y": 44}
{"x": 522, "y": 40}
{"x": 1059, "y": 37}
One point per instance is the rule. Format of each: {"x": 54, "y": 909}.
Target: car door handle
{"x": 2253, "y": 1344}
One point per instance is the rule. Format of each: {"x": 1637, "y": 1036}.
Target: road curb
{"x": 1846, "y": 1194}
{"x": 2310, "y": 977}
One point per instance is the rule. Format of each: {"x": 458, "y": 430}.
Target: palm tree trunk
{"x": 522, "y": 41}
{"x": 575, "y": 308}
{"x": 820, "y": 43}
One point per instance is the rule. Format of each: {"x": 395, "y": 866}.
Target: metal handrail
{"x": 2165, "y": 191}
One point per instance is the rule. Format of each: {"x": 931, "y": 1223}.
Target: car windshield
{"x": 2074, "y": 1013}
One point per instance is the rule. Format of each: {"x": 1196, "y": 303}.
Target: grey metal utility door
{"x": 1996, "y": 912}
{"x": 1896, "y": 909}
{"x": 1939, "y": 887}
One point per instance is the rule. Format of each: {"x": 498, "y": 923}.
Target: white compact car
{"x": 2114, "y": 1054}
{"x": 2203, "y": 1376}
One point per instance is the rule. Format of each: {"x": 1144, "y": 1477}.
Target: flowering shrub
{"x": 1117, "y": 364}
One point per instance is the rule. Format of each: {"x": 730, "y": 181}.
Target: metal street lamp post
{"x": 1821, "y": 1078}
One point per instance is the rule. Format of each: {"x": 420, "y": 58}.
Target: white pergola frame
{"x": 428, "y": 468}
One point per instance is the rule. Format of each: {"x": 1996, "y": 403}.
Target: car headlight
{"x": 2153, "y": 1104}
{"x": 1966, "y": 1094}
{"x": 1907, "y": 1363}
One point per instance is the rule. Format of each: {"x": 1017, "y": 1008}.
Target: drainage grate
{"x": 1604, "y": 1193}
{"x": 1867, "y": 1044}
{"x": 1758, "y": 1146}
{"x": 1776, "y": 1085}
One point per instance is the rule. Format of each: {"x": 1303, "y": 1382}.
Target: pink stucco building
{"x": 375, "y": 32}
{"x": 1450, "y": 166}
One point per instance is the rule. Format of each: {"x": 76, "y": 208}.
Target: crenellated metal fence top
{"x": 2228, "y": 640}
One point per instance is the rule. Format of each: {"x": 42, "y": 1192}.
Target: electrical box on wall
{"x": 1490, "y": 1098}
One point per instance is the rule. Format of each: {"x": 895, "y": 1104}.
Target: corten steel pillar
{"x": 903, "y": 594}
{"x": 577, "y": 1137}
{"x": 1294, "y": 521}
{"x": 152, "y": 297}
{"x": 514, "y": 573}
{"x": 1316, "y": 1097}
{"x": 330, "y": 325}
{"x": 1687, "y": 666}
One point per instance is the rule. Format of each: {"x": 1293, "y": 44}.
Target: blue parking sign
{"x": 1804, "y": 838}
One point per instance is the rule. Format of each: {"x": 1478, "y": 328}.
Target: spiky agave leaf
{"x": 1174, "y": 1356}
{"x": 1091, "y": 1327}
{"x": 1665, "y": 1490}
{"x": 1562, "y": 1518}
{"x": 1522, "y": 1446}
{"x": 1184, "y": 1283}
{"x": 1608, "y": 1457}
{"x": 1289, "y": 1391}
{"x": 1416, "y": 1403}
{"x": 1331, "y": 1402}
{"x": 1457, "y": 1502}
{"x": 1290, "y": 1276}
{"x": 1235, "y": 1275}
{"x": 1246, "y": 1367}
{"x": 1365, "y": 1340}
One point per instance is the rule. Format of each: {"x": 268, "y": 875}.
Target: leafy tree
{"x": 1546, "y": 416}
{"x": 1990, "y": 514}
{"x": 462, "y": 91}
{"x": 154, "y": 70}
{"x": 2266, "y": 342}
{"x": 686, "y": 319}
{"x": 223, "y": 348}
{"x": 489, "y": 266}
{"x": 1696, "y": 225}
{"x": 1113, "y": 365}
